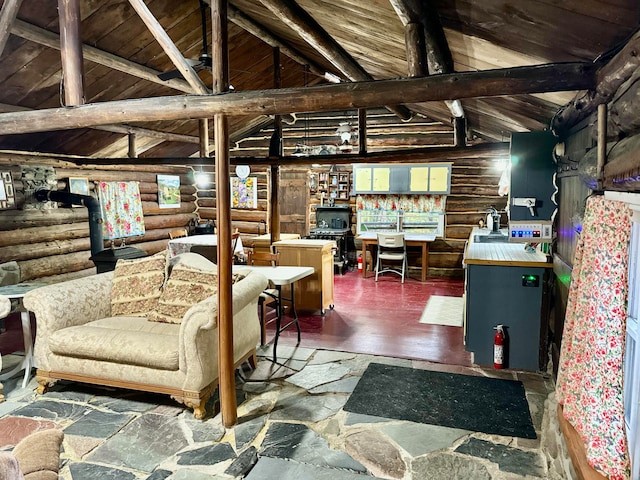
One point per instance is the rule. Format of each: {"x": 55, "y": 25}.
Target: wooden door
{"x": 294, "y": 201}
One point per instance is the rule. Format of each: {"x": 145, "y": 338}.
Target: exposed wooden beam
{"x": 296, "y": 18}
{"x": 71, "y": 52}
{"x": 168, "y": 46}
{"x": 8, "y": 15}
{"x": 203, "y": 129}
{"x": 259, "y": 31}
{"x": 330, "y": 97}
{"x": 52, "y": 40}
{"x": 133, "y": 152}
{"x": 123, "y": 129}
{"x": 414, "y": 155}
{"x": 424, "y": 30}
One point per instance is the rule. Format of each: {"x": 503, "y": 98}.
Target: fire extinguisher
{"x": 498, "y": 348}
{"x": 360, "y": 262}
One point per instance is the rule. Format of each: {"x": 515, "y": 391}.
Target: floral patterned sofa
{"x": 147, "y": 326}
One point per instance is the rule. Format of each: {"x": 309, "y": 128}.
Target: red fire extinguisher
{"x": 360, "y": 262}
{"x": 498, "y": 348}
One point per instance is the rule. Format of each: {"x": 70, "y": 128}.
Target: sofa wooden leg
{"x": 44, "y": 383}
{"x": 199, "y": 411}
{"x": 253, "y": 360}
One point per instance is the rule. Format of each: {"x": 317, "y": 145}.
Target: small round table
{"x": 18, "y": 291}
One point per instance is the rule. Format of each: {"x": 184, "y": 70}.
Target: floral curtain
{"x": 590, "y": 375}
{"x": 121, "y": 209}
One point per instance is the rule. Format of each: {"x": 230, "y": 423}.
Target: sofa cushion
{"x": 137, "y": 285}
{"x": 187, "y": 285}
{"x": 126, "y": 340}
{"x": 39, "y": 454}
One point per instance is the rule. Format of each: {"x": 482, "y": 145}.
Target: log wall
{"x": 52, "y": 244}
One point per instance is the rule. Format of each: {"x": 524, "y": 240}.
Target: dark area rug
{"x": 479, "y": 404}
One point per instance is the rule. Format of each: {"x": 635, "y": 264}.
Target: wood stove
{"x": 334, "y": 223}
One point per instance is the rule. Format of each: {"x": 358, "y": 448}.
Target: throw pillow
{"x": 39, "y": 454}
{"x": 137, "y": 285}
{"x": 187, "y": 285}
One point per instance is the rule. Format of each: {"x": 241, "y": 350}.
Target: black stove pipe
{"x": 92, "y": 204}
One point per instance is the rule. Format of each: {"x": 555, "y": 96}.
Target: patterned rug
{"x": 443, "y": 311}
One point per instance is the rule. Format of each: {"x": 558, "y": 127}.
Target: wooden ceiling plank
{"x": 169, "y": 47}
{"x": 8, "y": 15}
{"x": 258, "y": 30}
{"x": 512, "y": 81}
{"x": 304, "y": 24}
{"x": 52, "y": 40}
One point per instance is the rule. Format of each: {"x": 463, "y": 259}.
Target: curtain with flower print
{"x": 121, "y": 209}
{"x": 590, "y": 376}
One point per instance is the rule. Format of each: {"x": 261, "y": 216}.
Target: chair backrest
{"x": 180, "y": 232}
{"x": 391, "y": 240}
{"x": 263, "y": 258}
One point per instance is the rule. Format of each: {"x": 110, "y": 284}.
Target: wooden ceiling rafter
{"x": 296, "y": 18}
{"x": 49, "y": 39}
{"x": 426, "y": 40}
{"x": 169, "y": 47}
{"x": 259, "y": 31}
{"x": 8, "y": 15}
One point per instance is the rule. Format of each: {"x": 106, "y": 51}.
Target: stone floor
{"x": 291, "y": 426}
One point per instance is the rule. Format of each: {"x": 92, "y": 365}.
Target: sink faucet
{"x": 495, "y": 217}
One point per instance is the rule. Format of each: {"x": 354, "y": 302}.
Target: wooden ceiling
{"x": 122, "y": 58}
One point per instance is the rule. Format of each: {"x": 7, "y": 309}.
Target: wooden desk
{"x": 411, "y": 239}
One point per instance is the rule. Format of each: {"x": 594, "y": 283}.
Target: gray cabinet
{"x": 511, "y": 296}
{"x": 427, "y": 178}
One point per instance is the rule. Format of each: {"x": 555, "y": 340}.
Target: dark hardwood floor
{"x": 382, "y": 318}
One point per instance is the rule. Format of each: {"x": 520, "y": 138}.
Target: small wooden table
{"x": 411, "y": 239}
{"x": 19, "y": 291}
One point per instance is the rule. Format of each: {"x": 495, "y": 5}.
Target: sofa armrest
{"x": 198, "y": 330}
{"x": 70, "y": 303}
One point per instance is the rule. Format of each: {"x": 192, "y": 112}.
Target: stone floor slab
{"x": 298, "y": 442}
{"x": 90, "y": 471}
{"x": 419, "y": 439}
{"x": 207, "y": 455}
{"x": 98, "y": 424}
{"x": 327, "y": 356}
{"x": 346, "y": 385}
{"x": 307, "y": 409}
{"x": 271, "y": 468}
{"x": 509, "y": 459}
{"x": 313, "y": 375}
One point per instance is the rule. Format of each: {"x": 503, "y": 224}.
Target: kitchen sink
{"x": 491, "y": 238}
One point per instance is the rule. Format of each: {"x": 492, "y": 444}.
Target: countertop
{"x": 502, "y": 254}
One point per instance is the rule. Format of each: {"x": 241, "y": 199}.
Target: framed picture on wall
{"x": 168, "y": 191}
{"x": 7, "y": 194}
{"x": 244, "y": 192}
{"x": 79, "y": 185}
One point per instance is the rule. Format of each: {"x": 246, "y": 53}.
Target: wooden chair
{"x": 178, "y": 233}
{"x": 269, "y": 297}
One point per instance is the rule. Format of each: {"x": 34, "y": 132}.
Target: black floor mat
{"x": 479, "y": 404}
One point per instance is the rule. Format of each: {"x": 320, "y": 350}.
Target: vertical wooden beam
{"x": 602, "y": 143}
{"x": 71, "y": 51}
{"x": 133, "y": 151}
{"x": 220, "y": 71}
{"x": 8, "y": 15}
{"x": 459, "y": 131}
{"x": 274, "y": 177}
{"x": 203, "y": 126}
{"x": 362, "y": 131}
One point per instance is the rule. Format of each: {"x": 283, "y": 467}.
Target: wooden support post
{"x": 274, "y": 226}
{"x": 459, "y": 131}
{"x": 362, "y": 131}
{"x": 602, "y": 143}
{"x": 204, "y": 137}
{"x": 416, "y": 50}
{"x": 133, "y": 153}
{"x": 71, "y": 52}
{"x": 220, "y": 63}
